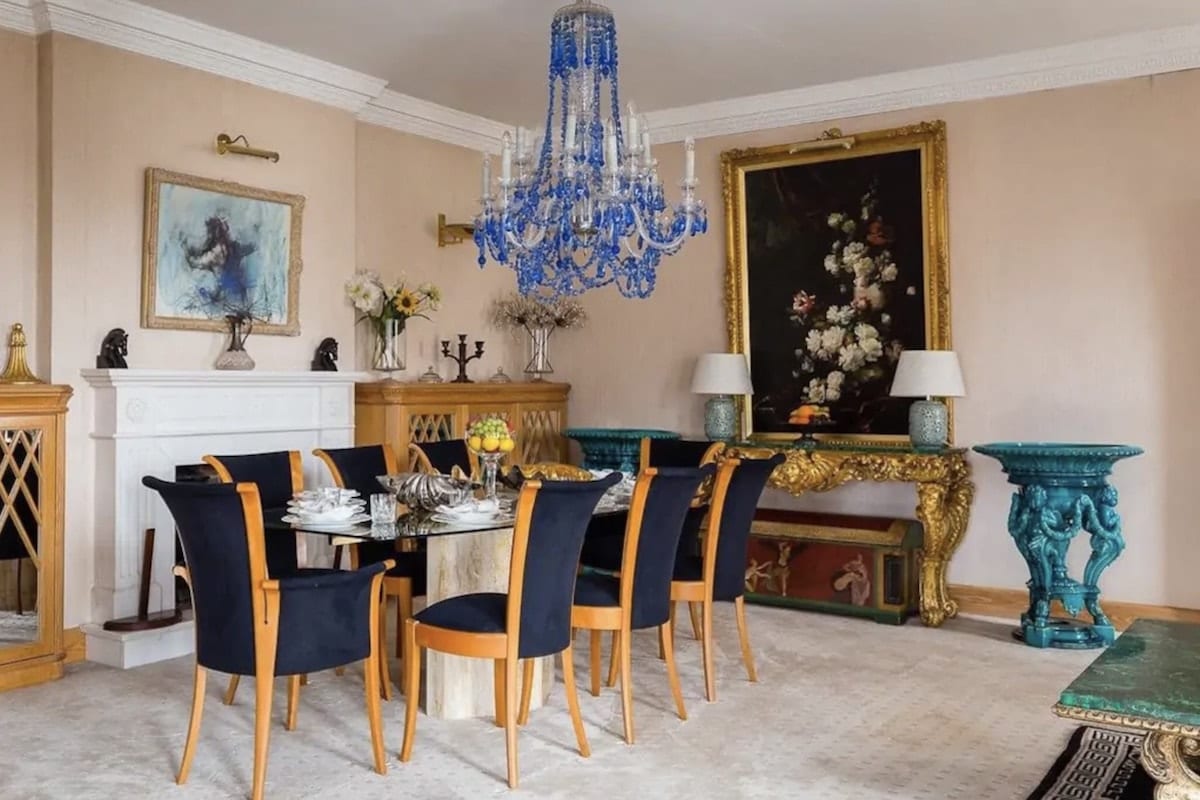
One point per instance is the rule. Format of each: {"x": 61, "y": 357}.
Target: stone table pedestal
{"x": 457, "y": 687}
{"x": 1063, "y": 489}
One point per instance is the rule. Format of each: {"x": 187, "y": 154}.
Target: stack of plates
{"x": 472, "y": 512}
{"x": 327, "y": 508}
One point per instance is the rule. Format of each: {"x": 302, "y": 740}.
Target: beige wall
{"x": 1074, "y": 280}
{"x": 403, "y": 183}
{"x": 18, "y": 186}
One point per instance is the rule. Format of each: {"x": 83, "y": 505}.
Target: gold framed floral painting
{"x": 838, "y": 260}
{"x": 215, "y": 249}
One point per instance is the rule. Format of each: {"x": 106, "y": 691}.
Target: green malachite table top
{"x": 1151, "y": 671}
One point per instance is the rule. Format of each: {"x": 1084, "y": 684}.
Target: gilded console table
{"x": 944, "y": 494}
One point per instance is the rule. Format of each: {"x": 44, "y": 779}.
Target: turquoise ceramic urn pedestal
{"x": 1063, "y": 489}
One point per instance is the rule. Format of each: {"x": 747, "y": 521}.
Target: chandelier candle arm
{"x": 584, "y": 206}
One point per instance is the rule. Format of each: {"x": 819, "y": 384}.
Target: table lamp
{"x": 928, "y": 374}
{"x": 721, "y": 375}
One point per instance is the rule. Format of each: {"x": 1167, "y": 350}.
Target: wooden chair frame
{"x": 398, "y": 587}
{"x": 265, "y": 604}
{"x": 701, "y": 592}
{"x": 225, "y": 476}
{"x": 502, "y": 648}
{"x": 618, "y": 619}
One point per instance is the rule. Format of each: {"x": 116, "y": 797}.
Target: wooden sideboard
{"x": 32, "y": 468}
{"x": 404, "y": 413}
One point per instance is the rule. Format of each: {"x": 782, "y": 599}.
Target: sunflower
{"x": 407, "y": 302}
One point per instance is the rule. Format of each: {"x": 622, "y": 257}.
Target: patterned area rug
{"x": 1098, "y": 764}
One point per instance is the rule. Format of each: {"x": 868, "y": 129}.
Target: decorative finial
{"x": 17, "y": 369}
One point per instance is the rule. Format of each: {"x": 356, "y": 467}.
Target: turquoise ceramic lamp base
{"x": 720, "y": 417}
{"x": 928, "y": 424}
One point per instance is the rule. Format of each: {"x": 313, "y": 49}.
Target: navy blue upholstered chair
{"x": 531, "y": 620}
{"x": 720, "y": 573}
{"x": 441, "y": 456}
{"x": 678, "y": 452}
{"x": 248, "y": 623}
{"x": 641, "y": 597}
{"x": 278, "y": 476}
{"x": 358, "y": 468}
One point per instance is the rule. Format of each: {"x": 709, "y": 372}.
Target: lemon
{"x": 491, "y": 444}
{"x": 507, "y": 444}
{"x": 475, "y": 443}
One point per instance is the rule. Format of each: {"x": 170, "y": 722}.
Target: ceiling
{"x": 488, "y": 57}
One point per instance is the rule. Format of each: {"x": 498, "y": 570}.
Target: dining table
{"x": 463, "y": 557}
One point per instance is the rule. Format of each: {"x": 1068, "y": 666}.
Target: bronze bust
{"x": 325, "y": 359}
{"x": 113, "y": 350}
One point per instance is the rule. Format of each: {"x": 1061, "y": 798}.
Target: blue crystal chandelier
{"x": 589, "y": 209}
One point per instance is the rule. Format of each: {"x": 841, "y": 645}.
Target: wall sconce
{"x": 227, "y": 144}
{"x": 453, "y": 232}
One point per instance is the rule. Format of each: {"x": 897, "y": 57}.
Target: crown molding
{"x": 420, "y": 117}
{"x": 139, "y": 29}
{"x": 1094, "y": 61}
{"x": 17, "y": 15}
{"x": 133, "y": 27}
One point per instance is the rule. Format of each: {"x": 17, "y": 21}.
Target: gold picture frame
{"x": 214, "y": 213}
{"x": 928, "y": 141}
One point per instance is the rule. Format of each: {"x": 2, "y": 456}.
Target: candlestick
{"x": 506, "y": 157}
{"x": 572, "y": 122}
{"x": 632, "y": 138}
{"x": 689, "y": 147}
{"x": 647, "y": 159}
{"x": 487, "y": 175}
{"x": 610, "y": 147}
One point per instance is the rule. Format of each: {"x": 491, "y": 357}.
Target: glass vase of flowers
{"x": 388, "y": 307}
{"x": 538, "y": 319}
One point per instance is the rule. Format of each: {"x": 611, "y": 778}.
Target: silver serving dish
{"x": 426, "y": 492}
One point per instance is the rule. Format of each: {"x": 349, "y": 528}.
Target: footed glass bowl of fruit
{"x": 490, "y": 438}
{"x": 809, "y": 419}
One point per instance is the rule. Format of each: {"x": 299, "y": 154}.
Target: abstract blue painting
{"x": 215, "y": 249}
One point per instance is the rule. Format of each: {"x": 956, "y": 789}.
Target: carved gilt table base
{"x": 944, "y": 494}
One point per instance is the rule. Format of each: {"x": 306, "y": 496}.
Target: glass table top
{"x": 1151, "y": 671}
{"x": 417, "y": 524}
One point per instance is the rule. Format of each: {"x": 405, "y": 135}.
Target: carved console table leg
{"x": 944, "y": 509}
{"x": 1171, "y": 760}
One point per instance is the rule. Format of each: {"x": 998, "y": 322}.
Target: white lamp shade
{"x": 928, "y": 373}
{"x": 722, "y": 373}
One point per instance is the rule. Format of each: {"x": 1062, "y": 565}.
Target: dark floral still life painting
{"x": 833, "y": 283}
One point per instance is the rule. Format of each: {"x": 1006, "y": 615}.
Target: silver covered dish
{"x": 426, "y": 492}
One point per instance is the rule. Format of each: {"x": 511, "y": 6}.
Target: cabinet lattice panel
{"x": 20, "y": 478}
{"x": 430, "y": 427}
{"x": 539, "y": 436}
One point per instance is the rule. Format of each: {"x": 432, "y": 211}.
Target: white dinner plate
{"x": 343, "y": 524}
{"x": 477, "y": 519}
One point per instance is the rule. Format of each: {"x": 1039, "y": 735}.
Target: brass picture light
{"x": 227, "y": 144}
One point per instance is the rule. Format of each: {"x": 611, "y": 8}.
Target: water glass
{"x": 383, "y": 509}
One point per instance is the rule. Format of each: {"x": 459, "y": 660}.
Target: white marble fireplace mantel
{"x": 147, "y": 422}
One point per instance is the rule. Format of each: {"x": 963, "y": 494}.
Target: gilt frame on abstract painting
{"x": 214, "y": 248}
{"x": 896, "y": 175}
